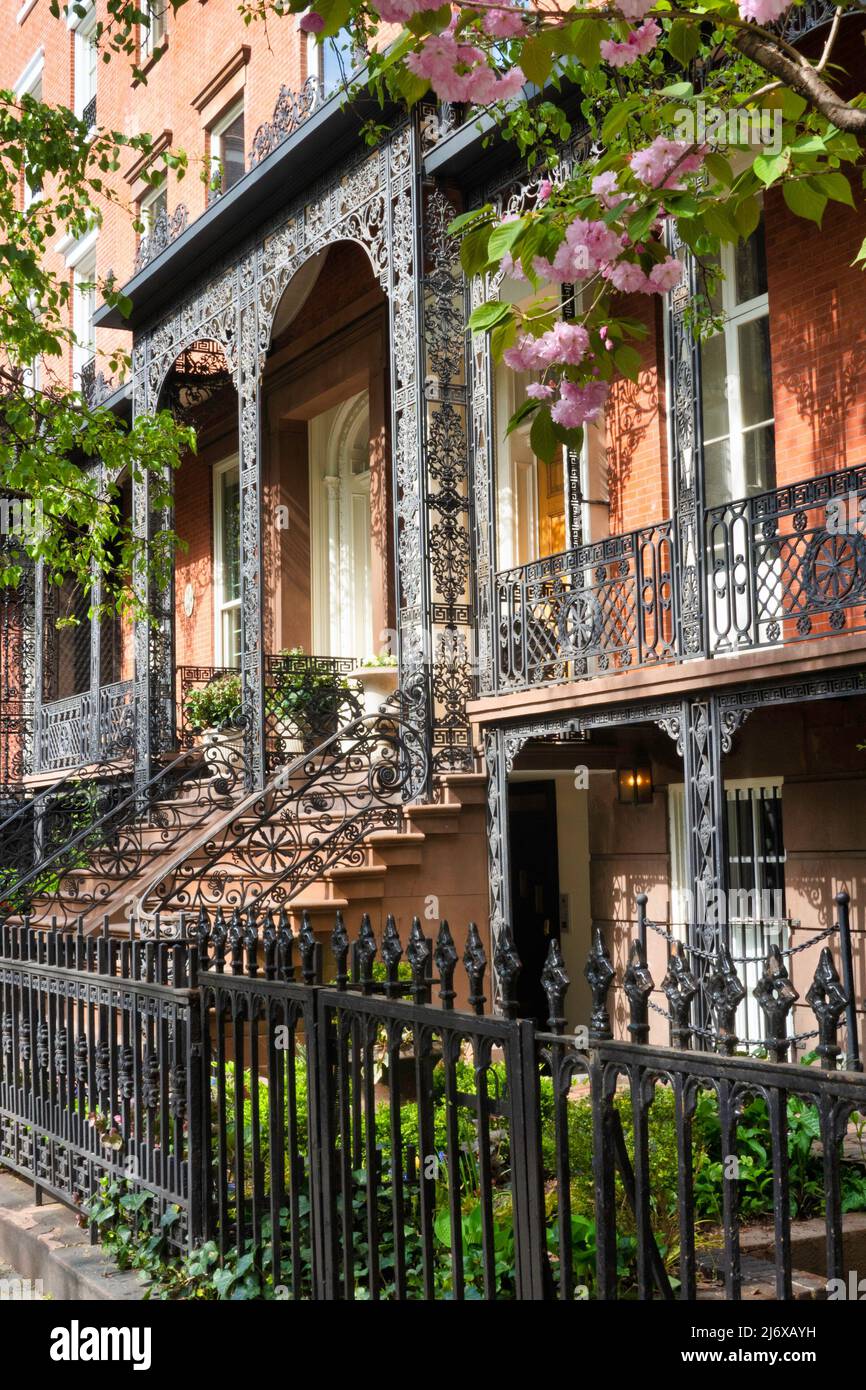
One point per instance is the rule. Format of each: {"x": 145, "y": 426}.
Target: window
{"x": 756, "y": 911}
{"x": 152, "y": 34}
{"x": 227, "y": 564}
{"x": 30, "y": 84}
{"x": 736, "y": 381}
{"x": 86, "y": 67}
{"x": 333, "y": 61}
{"x": 227, "y": 151}
{"x": 152, "y": 207}
{"x": 83, "y": 310}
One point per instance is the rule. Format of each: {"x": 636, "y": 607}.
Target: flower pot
{"x": 223, "y": 750}
{"x": 377, "y": 684}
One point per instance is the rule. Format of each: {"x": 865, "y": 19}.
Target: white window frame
{"x": 152, "y": 35}
{"x": 84, "y": 42}
{"x": 736, "y": 316}
{"x": 30, "y": 84}
{"x": 148, "y": 203}
{"x": 215, "y": 134}
{"x": 83, "y": 310}
{"x": 221, "y": 606}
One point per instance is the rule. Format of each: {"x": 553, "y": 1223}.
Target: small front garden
{"x": 124, "y": 1218}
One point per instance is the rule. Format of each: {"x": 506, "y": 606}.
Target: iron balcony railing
{"x": 88, "y": 728}
{"x": 593, "y": 611}
{"x": 781, "y": 566}
{"x": 788, "y": 565}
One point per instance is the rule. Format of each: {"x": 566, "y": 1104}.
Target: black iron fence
{"x": 346, "y": 1115}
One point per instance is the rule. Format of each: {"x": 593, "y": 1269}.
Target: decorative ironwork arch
{"x": 377, "y": 202}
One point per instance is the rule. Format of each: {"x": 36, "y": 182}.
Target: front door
{"x": 534, "y": 887}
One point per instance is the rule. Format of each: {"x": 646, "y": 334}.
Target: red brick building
{"x": 643, "y": 665}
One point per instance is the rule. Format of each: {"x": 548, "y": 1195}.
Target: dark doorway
{"x": 534, "y": 887}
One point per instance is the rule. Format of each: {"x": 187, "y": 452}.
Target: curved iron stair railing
{"x": 313, "y": 815}
{"x": 43, "y": 821}
{"x": 90, "y": 866}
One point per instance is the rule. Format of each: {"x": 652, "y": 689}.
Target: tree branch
{"x": 802, "y": 78}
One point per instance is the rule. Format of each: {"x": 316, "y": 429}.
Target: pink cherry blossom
{"x": 564, "y": 342}
{"x": 627, "y": 277}
{"x": 525, "y": 355}
{"x": 401, "y": 11}
{"x": 512, "y": 268}
{"x": 545, "y": 188}
{"x": 634, "y": 9}
{"x": 664, "y": 163}
{"x": 604, "y": 186}
{"x": 578, "y": 404}
{"x": 460, "y": 72}
{"x": 639, "y": 42}
{"x": 311, "y": 23}
{"x": 539, "y": 391}
{"x": 504, "y": 22}
{"x": 666, "y": 274}
{"x": 762, "y": 11}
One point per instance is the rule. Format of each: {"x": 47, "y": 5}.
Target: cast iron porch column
{"x": 684, "y": 392}
{"x": 250, "y": 366}
{"x": 153, "y": 640}
{"x": 496, "y": 763}
{"x": 703, "y": 748}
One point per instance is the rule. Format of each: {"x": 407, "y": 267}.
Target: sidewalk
{"x": 45, "y": 1242}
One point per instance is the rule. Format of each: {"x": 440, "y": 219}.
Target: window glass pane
{"x": 759, "y": 459}
{"x": 231, "y": 152}
{"x": 231, "y": 636}
{"x": 231, "y": 537}
{"x": 336, "y": 60}
{"x": 756, "y": 394}
{"x": 714, "y": 387}
{"x": 718, "y": 483}
{"x": 750, "y": 266}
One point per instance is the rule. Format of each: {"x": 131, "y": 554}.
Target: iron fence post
{"x": 852, "y": 1049}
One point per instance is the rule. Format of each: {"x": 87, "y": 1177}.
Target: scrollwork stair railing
{"x": 116, "y": 831}
{"x": 314, "y": 814}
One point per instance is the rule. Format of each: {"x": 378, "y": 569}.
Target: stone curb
{"x": 45, "y": 1242}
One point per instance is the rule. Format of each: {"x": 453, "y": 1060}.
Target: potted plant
{"x": 306, "y": 704}
{"x": 209, "y": 711}
{"x": 377, "y": 677}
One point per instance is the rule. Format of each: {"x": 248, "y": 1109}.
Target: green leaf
{"x": 719, "y": 168}
{"x": 542, "y": 437}
{"x": 640, "y": 224}
{"x": 586, "y": 36}
{"x": 503, "y": 237}
{"x": 861, "y": 254}
{"x": 570, "y": 439}
{"x": 678, "y": 90}
{"x": 769, "y": 168}
{"x": 473, "y": 250}
{"x": 683, "y": 41}
{"x": 536, "y": 58}
{"x": 804, "y": 200}
{"x": 525, "y": 409}
{"x": 836, "y": 186}
{"x": 335, "y": 13}
{"x": 628, "y": 361}
{"x": 486, "y": 316}
{"x": 502, "y": 336}
{"x": 747, "y": 215}
{"x": 468, "y": 219}
{"x": 616, "y": 120}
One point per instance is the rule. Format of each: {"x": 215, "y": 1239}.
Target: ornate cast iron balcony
{"x": 87, "y": 728}
{"x": 788, "y": 565}
{"x": 164, "y": 231}
{"x": 290, "y": 112}
{"x": 602, "y": 608}
{"x": 782, "y": 566}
